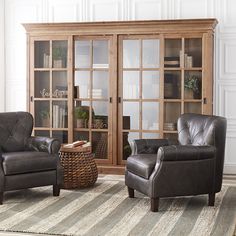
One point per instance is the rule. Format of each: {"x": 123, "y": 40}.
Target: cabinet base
{"x": 116, "y": 170}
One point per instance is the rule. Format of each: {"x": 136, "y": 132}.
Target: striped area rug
{"x": 105, "y": 209}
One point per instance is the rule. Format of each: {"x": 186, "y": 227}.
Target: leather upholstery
{"x": 184, "y": 153}
{"x": 142, "y": 164}
{"x": 26, "y": 161}
{"x": 15, "y": 129}
{"x": 148, "y": 146}
{"x": 194, "y": 166}
{"x": 13, "y": 163}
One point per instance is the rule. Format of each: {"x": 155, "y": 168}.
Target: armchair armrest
{"x": 44, "y": 144}
{"x": 185, "y": 153}
{"x": 147, "y": 146}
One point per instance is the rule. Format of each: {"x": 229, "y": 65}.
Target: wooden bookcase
{"x": 112, "y": 82}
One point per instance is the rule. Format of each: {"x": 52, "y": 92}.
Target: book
{"x": 75, "y": 144}
{"x": 171, "y": 62}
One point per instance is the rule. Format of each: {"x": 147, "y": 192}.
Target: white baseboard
{"x": 230, "y": 169}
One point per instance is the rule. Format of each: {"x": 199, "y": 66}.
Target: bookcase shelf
{"x": 112, "y": 82}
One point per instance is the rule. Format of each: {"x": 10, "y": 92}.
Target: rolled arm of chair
{"x": 147, "y": 146}
{"x": 185, "y": 153}
{"x": 44, "y": 144}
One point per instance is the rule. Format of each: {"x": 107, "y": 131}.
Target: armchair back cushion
{"x": 201, "y": 130}
{"x": 15, "y": 130}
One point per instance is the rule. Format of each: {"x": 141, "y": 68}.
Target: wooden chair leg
{"x": 56, "y": 190}
{"x": 1, "y": 198}
{"x": 131, "y": 192}
{"x": 154, "y": 204}
{"x": 211, "y": 199}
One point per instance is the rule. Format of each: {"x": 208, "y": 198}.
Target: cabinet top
{"x": 123, "y": 27}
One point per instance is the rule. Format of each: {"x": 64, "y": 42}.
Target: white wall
{"x": 17, "y": 12}
{"x": 2, "y": 59}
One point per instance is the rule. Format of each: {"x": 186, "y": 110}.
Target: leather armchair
{"x": 193, "y": 166}
{"x": 27, "y": 161}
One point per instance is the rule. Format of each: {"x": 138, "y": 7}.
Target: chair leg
{"x": 154, "y": 204}
{"x": 211, "y": 199}
{"x": 56, "y": 190}
{"x": 1, "y": 198}
{"x": 131, "y": 192}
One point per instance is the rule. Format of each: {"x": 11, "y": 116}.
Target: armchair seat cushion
{"x": 142, "y": 164}
{"x": 28, "y": 161}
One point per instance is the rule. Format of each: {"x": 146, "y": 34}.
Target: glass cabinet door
{"x": 50, "y": 89}
{"x": 182, "y": 81}
{"x": 140, "y": 91}
{"x": 92, "y": 102}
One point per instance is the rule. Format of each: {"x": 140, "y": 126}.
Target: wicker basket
{"x": 80, "y": 169}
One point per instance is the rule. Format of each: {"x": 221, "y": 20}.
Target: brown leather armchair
{"x": 26, "y": 161}
{"x": 194, "y": 166}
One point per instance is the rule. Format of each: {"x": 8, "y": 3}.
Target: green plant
{"x": 192, "y": 82}
{"x": 81, "y": 113}
{"x": 44, "y": 114}
{"x": 59, "y": 53}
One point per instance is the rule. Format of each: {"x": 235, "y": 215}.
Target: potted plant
{"x": 82, "y": 116}
{"x": 59, "y": 56}
{"x": 192, "y": 87}
{"x": 45, "y": 118}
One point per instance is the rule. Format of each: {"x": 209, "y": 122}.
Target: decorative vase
{"x": 80, "y": 123}
{"x": 188, "y": 94}
{"x": 45, "y": 122}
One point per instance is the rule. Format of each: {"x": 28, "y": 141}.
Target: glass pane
{"x": 193, "y": 53}
{"x": 128, "y": 137}
{"x": 150, "y": 135}
{"x": 150, "y": 118}
{"x": 172, "y": 52}
{"x": 151, "y": 53}
{"x": 130, "y": 84}
{"x": 59, "y": 54}
{"x": 193, "y": 85}
{"x": 131, "y": 53}
{"x": 42, "y": 133}
{"x": 59, "y": 114}
{"x": 172, "y": 85}
{"x": 42, "y": 114}
{"x": 100, "y": 118}
{"x": 61, "y": 135}
{"x": 100, "y": 54}
{"x": 81, "y": 89}
{"x": 82, "y": 54}
{"x": 192, "y": 107}
{"x": 82, "y": 114}
{"x": 100, "y": 84}
{"x": 172, "y": 137}
{"x": 99, "y": 144}
{"x": 41, "y": 54}
{"x": 151, "y": 82}
{"x": 81, "y": 135}
{"x": 41, "y": 84}
{"x": 59, "y": 84}
{"x": 171, "y": 114}
{"x": 131, "y": 112}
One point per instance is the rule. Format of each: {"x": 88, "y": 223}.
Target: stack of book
{"x": 46, "y": 59}
{"x": 171, "y": 62}
{"x": 59, "y": 117}
{"x": 96, "y": 93}
{"x": 170, "y": 126}
{"x": 80, "y": 145}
